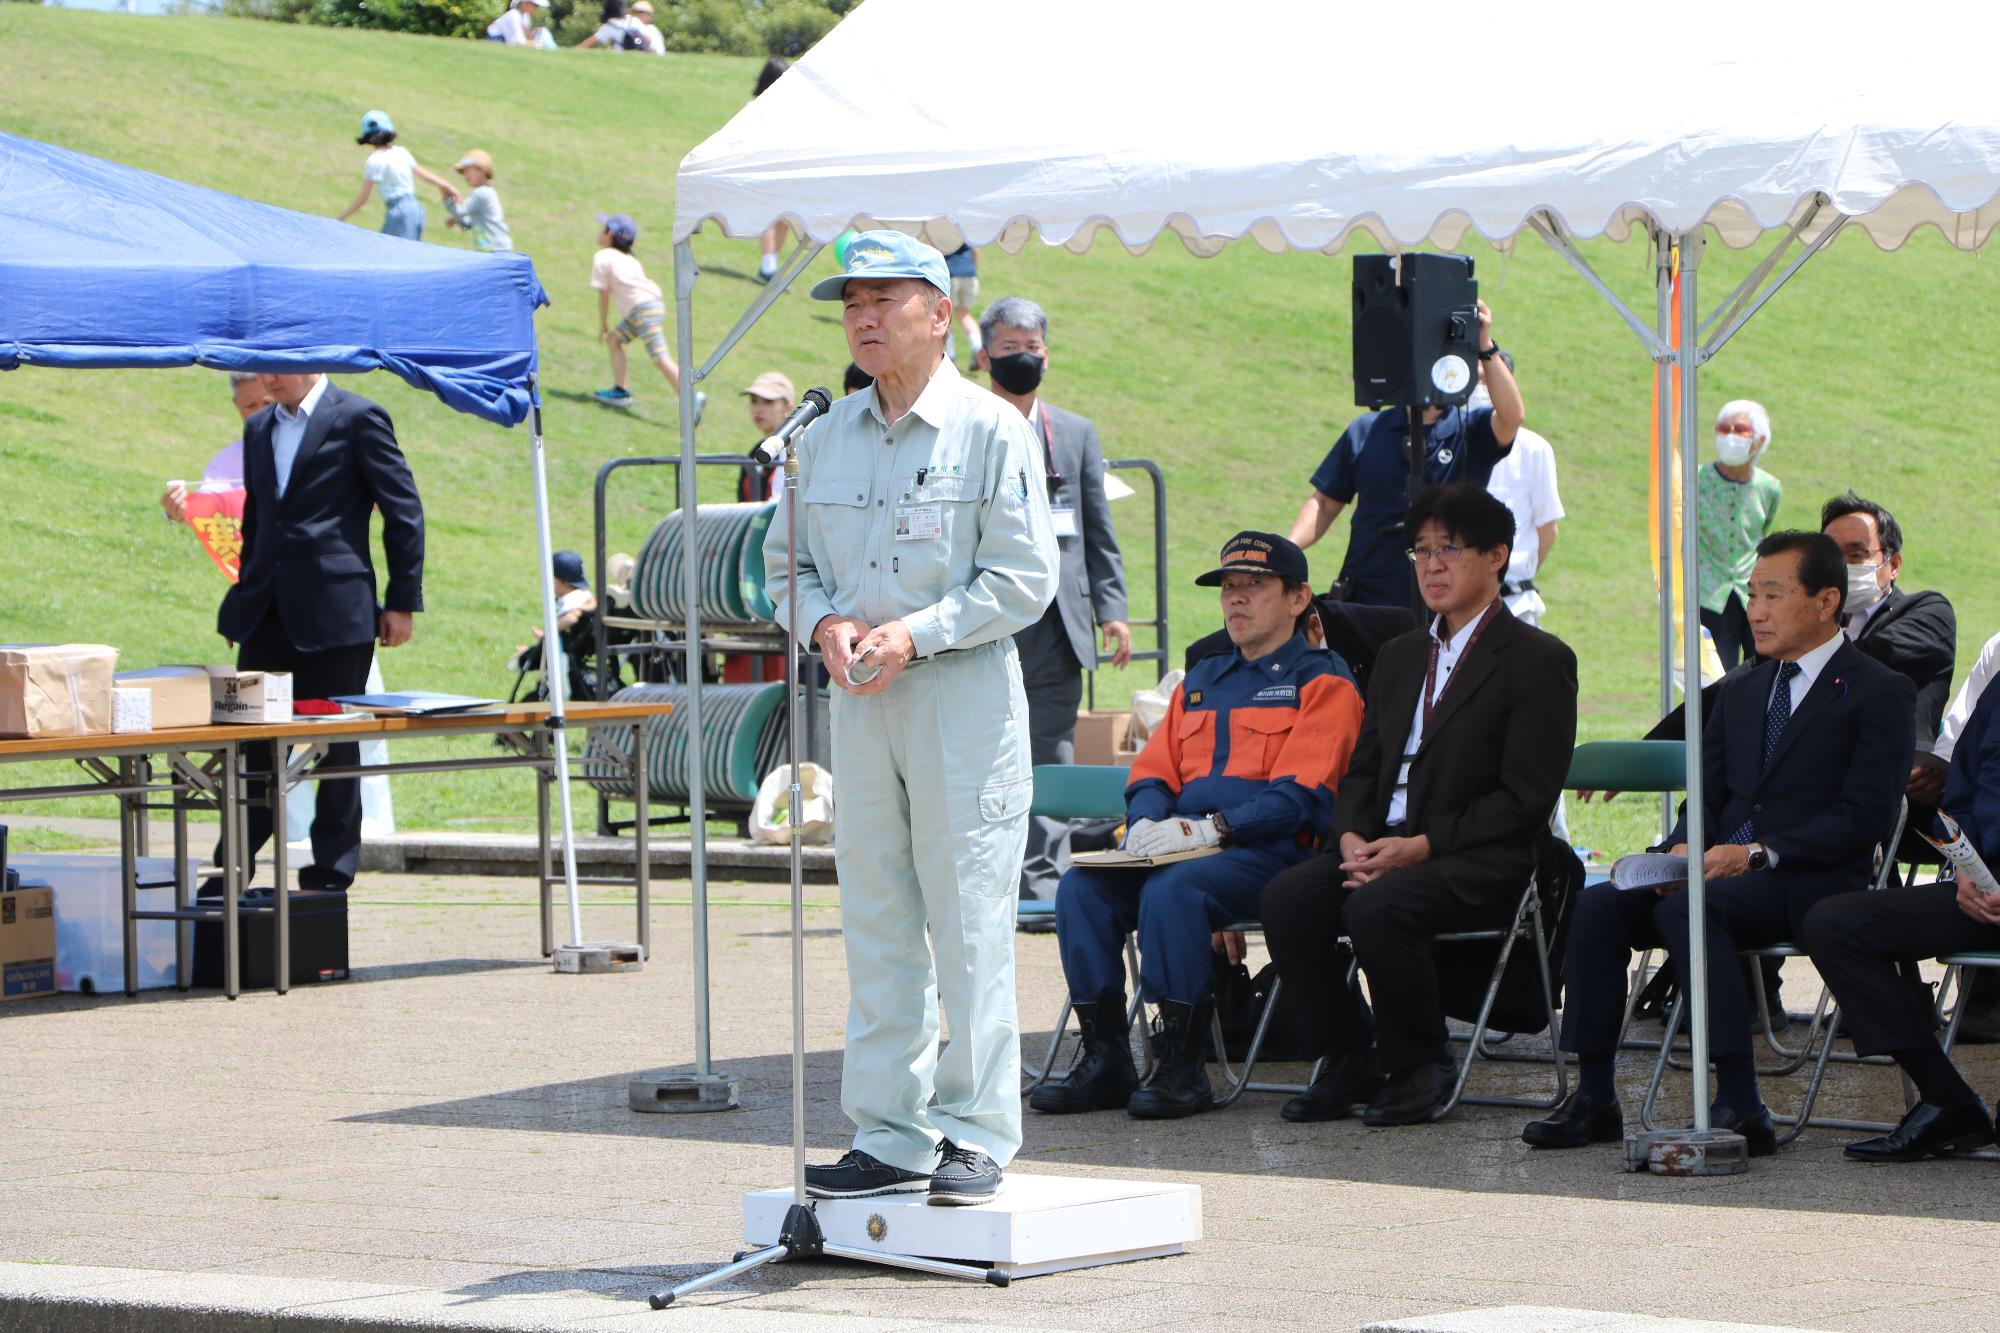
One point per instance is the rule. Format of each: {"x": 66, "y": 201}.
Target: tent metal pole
{"x": 1654, "y": 343}
{"x": 1663, "y": 470}
{"x": 1728, "y": 331}
{"x": 1690, "y": 250}
{"x": 1725, "y": 311}
{"x": 555, "y": 671}
{"x": 801, "y": 256}
{"x": 684, "y": 279}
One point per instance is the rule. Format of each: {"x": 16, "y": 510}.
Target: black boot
{"x": 1179, "y": 1085}
{"x": 1103, "y": 1077}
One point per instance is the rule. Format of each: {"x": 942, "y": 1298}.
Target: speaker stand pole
{"x": 1419, "y": 439}
{"x": 800, "y": 1236}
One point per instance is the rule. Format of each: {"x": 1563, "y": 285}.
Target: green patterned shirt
{"x": 1731, "y": 517}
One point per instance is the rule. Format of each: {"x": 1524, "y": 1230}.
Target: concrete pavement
{"x": 443, "y": 1141}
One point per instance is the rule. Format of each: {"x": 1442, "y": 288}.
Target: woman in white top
{"x": 396, "y": 172}
{"x": 619, "y": 31}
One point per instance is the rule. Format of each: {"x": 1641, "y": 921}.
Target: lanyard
{"x": 1048, "y": 445}
{"x": 1430, "y": 674}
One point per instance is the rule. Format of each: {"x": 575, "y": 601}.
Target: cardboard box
{"x": 1104, "y": 737}
{"x": 27, "y": 942}
{"x": 249, "y": 696}
{"x": 55, "y": 689}
{"x": 180, "y": 694}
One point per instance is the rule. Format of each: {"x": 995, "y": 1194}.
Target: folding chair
{"x": 1630, "y": 766}
{"x": 1820, "y": 1035}
{"x": 1082, "y": 791}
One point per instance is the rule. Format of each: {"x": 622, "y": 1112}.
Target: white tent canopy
{"x": 1300, "y": 123}
{"x": 1216, "y": 122}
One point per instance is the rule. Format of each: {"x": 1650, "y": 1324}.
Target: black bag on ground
{"x": 1465, "y": 968}
{"x": 1240, "y": 1000}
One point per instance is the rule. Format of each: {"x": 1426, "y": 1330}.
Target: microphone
{"x": 815, "y": 404}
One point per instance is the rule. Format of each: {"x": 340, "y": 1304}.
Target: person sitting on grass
{"x": 621, "y": 284}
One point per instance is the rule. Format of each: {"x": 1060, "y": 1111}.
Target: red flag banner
{"x": 217, "y": 518}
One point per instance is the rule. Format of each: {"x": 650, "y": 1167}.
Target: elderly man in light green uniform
{"x": 925, "y": 543}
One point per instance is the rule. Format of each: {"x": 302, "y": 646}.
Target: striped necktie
{"x": 1775, "y": 718}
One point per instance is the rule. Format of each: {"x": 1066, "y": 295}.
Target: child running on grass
{"x": 621, "y": 283}
{"x": 395, "y": 171}
{"x": 479, "y": 212}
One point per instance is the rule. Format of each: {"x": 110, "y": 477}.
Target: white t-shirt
{"x": 1525, "y": 481}
{"x": 393, "y": 171}
{"x": 1968, "y": 698}
{"x": 511, "y": 27}
{"x": 612, "y": 32}
{"x": 624, "y": 277}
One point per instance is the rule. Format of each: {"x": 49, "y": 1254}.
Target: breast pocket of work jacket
{"x": 837, "y": 528}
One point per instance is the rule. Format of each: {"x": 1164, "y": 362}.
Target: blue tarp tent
{"x": 105, "y": 266}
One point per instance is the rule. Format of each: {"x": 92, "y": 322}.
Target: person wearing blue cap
{"x": 924, "y": 544}
{"x": 396, "y": 171}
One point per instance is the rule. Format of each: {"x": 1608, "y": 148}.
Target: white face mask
{"x": 1862, "y": 589}
{"x": 1734, "y": 450}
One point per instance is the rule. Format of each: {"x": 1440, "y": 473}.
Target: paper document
{"x": 1649, "y": 870}
{"x": 1117, "y": 859}
{"x": 1965, "y": 859}
{"x": 412, "y": 701}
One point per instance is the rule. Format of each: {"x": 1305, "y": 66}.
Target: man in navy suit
{"x": 1803, "y": 762}
{"x": 316, "y": 464}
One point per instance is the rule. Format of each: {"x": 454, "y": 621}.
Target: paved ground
{"x": 449, "y": 1129}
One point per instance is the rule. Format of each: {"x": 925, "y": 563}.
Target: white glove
{"x": 1136, "y": 829}
{"x": 1170, "y": 836}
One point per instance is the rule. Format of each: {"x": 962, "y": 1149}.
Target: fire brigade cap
{"x": 1258, "y": 553}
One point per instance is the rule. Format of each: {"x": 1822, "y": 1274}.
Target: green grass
{"x": 1231, "y": 372}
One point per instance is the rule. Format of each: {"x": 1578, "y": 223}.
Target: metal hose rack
{"x": 729, "y": 547}
{"x": 743, "y": 739}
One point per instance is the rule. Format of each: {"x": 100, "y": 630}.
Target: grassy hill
{"x": 1231, "y": 372}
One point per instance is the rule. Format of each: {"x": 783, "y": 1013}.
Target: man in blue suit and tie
{"x": 1803, "y": 762}
{"x": 317, "y": 464}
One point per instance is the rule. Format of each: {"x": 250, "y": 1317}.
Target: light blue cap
{"x": 885, "y": 254}
{"x": 377, "y": 122}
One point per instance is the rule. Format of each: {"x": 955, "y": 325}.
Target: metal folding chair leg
{"x": 1132, "y": 1014}
{"x": 1530, "y": 910}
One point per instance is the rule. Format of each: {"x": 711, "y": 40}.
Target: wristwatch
{"x": 1222, "y": 829}
{"x": 1759, "y": 858}
{"x": 1490, "y": 352}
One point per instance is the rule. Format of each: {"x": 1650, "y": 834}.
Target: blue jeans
{"x": 403, "y": 216}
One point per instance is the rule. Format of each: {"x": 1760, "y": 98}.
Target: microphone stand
{"x": 800, "y": 1236}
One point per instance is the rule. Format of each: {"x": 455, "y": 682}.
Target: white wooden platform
{"x": 1038, "y": 1224}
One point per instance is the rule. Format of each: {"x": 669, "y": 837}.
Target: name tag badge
{"x": 1065, "y": 520}
{"x": 919, "y": 523}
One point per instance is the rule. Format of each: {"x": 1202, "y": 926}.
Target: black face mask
{"x": 1018, "y": 373}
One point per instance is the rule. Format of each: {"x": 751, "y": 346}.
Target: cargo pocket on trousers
{"x": 1000, "y": 837}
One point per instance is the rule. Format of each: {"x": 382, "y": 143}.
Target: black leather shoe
{"x": 1103, "y": 1077}
{"x": 963, "y": 1176}
{"x": 1928, "y": 1130}
{"x": 1577, "y": 1123}
{"x": 1760, "y": 1134}
{"x": 1413, "y": 1096}
{"x": 1343, "y": 1087}
{"x": 857, "y": 1175}
{"x": 1179, "y": 1085}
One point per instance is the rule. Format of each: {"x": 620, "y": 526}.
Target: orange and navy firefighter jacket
{"x": 1263, "y": 742}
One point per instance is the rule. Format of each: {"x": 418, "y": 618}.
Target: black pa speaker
{"x": 1416, "y": 330}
